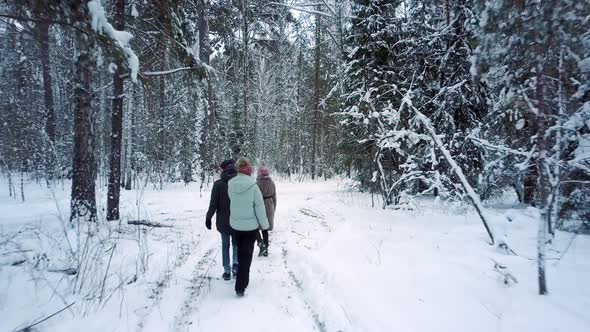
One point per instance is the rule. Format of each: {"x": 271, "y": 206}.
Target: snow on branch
{"x": 168, "y": 72}
{"x": 309, "y": 11}
{"x": 501, "y": 148}
{"x": 100, "y": 24}
{"x": 407, "y": 100}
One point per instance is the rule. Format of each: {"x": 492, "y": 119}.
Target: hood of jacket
{"x": 241, "y": 183}
{"x": 229, "y": 173}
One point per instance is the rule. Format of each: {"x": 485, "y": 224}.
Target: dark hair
{"x": 227, "y": 163}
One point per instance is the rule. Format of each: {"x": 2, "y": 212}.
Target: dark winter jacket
{"x": 219, "y": 203}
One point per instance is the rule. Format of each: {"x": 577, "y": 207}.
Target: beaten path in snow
{"x": 275, "y": 299}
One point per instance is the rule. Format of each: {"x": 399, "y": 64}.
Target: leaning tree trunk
{"x": 83, "y": 203}
{"x": 114, "y": 190}
{"x": 459, "y": 172}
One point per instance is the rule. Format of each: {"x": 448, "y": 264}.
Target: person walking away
{"x": 247, "y": 214}
{"x": 219, "y": 204}
{"x": 269, "y": 195}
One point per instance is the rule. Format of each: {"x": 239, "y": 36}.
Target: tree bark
{"x": 204, "y": 54}
{"x": 114, "y": 187}
{"x": 43, "y": 37}
{"x": 83, "y": 199}
{"x": 245, "y": 32}
{"x": 316, "y": 95}
{"x": 542, "y": 167}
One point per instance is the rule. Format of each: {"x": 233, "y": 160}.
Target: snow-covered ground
{"x": 335, "y": 264}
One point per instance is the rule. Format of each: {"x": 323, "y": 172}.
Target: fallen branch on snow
{"x": 28, "y": 328}
{"x": 147, "y": 223}
{"x": 311, "y": 213}
{"x": 69, "y": 271}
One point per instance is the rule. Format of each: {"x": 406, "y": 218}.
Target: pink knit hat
{"x": 263, "y": 172}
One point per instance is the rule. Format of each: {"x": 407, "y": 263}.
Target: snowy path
{"x": 335, "y": 264}
{"x": 275, "y": 298}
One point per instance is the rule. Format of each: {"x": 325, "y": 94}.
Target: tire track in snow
{"x": 313, "y": 223}
{"x": 312, "y": 228}
{"x": 163, "y": 287}
{"x": 197, "y": 284}
{"x": 159, "y": 286}
{"x": 319, "y": 324}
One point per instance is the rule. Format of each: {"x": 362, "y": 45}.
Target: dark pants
{"x": 245, "y": 241}
{"x": 263, "y": 238}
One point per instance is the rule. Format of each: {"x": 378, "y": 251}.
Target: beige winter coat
{"x": 269, "y": 194}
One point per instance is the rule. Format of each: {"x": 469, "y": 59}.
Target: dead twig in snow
{"x": 303, "y": 236}
{"x": 27, "y": 328}
{"x": 69, "y": 271}
{"x": 509, "y": 279}
{"x": 311, "y": 213}
{"x": 346, "y": 314}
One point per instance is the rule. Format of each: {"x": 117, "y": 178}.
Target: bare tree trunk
{"x": 245, "y": 64}
{"x": 22, "y": 186}
{"x": 204, "y": 54}
{"x": 114, "y": 187}
{"x": 448, "y": 11}
{"x": 132, "y": 105}
{"x": 542, "y": 166}
{"x": 316, "y": 96}
{"x": 43, "y": 37}
{"x": 162, "y": 131}
{"x": 83, "y": 203}
{"x": 10, "y": 185}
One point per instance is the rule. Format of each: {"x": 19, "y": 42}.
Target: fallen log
{"x": 147, "y": 223}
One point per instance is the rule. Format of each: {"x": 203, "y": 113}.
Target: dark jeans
{"x": 263, "y": 238}
{"x": 225, "y": 240}
{"x": 245, "y": 241}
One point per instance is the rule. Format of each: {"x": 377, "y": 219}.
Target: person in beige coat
{"x": 269, "y": 194}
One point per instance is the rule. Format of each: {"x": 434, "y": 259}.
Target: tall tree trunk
{"x": 316, "y": 95}
{"x": 130, "y": 129}
{"x": 43, "y": 37}
{"x": 543, "y": 147}
{"x": 245, "y": 64}
{"x": 114, "y": 190}
{"x": 208, "y": 119}
{"x": 205, "y": 53}
{"x": 162, "y": 132}
{"x": 83, "y": 203}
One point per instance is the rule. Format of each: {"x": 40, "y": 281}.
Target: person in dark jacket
{"x": 219, "y": 205}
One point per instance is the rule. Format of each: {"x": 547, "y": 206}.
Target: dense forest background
{"x": 407, "y": 97}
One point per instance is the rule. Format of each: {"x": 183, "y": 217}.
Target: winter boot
{"x": 263, "y": 251}
{"x": 226, "y": 276}
{"x": 240, "y": 293}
